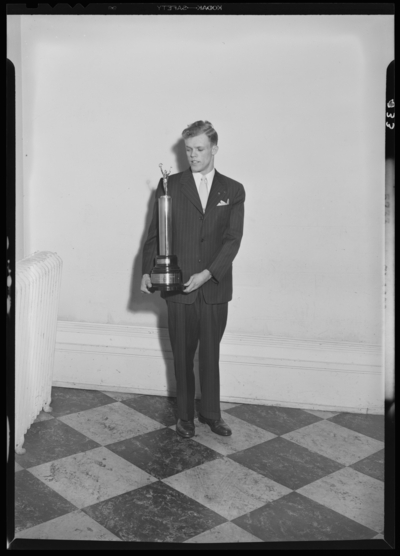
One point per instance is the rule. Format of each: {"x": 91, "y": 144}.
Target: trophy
{"x": 166, "y": 275}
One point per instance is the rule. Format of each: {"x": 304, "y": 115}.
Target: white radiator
{"x": 37, "y": 291}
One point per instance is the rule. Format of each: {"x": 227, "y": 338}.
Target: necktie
{"x": 203, "y": 192}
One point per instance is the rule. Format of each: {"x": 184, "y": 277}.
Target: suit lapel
{"x": 190, "y": 190}
{"x": 218, "y": 192}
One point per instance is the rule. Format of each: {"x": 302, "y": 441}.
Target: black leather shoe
{"x": 216, "y": 425}
{"x": 185, "y": 428}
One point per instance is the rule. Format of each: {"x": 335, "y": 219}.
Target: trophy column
{"x": 166, "y": 275}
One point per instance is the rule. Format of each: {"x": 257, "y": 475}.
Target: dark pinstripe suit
{"x": 201, "y": 240}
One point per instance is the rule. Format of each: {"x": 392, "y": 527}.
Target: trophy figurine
{"x": 166, "y": 275}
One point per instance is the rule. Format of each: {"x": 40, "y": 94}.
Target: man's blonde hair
{"x": 199, "y": 127}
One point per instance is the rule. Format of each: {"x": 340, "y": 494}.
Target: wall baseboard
{"x": 308, "y": 374}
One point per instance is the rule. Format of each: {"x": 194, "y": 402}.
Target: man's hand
{"x": 196, "y": 281}
{"x": 146, "y": 283}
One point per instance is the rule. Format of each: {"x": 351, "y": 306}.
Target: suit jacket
{"x": 201, "y": 240}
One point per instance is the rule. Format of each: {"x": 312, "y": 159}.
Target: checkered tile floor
{"x": 109, "y": 466}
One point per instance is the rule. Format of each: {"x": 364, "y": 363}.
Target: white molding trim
{"x": 308, "y": 374}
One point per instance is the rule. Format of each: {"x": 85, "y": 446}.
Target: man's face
{"x": 200, "y": 153}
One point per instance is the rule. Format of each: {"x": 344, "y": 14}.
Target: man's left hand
{"x": 196, "y": 281}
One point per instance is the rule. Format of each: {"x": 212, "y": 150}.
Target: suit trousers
{"x": 189, "y": 324}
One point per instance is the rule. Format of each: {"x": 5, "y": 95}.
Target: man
{"x": 207, "y": 228}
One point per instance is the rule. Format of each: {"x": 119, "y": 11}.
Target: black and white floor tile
{"x": 110, "y": 466}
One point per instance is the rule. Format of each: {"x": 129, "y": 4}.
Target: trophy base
{"x": 166, "y": 275}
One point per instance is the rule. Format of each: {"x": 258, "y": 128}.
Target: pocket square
{"x": 223, "y": 203}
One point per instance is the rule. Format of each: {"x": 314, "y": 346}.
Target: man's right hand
{"x": 146, "y": 284}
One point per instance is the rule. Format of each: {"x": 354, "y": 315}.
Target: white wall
{"x": 299, "y": 105}
{"x": 14, "y": 55}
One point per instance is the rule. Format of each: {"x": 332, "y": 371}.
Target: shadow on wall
{"x": 143, "y": 303}
{"x": 179, "y": 151}
{"x": 139, "y": 302}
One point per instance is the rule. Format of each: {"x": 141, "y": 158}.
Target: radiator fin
{"x": 37, "y": 293}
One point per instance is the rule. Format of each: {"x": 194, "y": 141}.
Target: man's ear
{"x": 214, "y": 149}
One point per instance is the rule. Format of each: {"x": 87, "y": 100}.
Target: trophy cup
{"x": 166, "y": 275}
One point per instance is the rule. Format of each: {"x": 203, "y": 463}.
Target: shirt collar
{"x": 210, "y": 176}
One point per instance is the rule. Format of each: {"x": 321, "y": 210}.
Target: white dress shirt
{"x": 210, "y": 176}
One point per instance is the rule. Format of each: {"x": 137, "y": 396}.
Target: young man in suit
{"x": 207, "y": 228}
